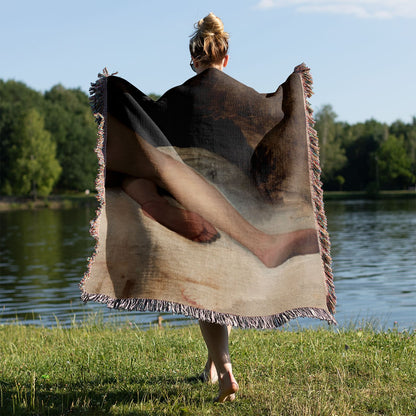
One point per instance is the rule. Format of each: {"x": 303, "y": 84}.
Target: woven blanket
{"x": 210, "y": 202}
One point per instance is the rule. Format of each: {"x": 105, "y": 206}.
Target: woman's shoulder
{"x": 212, "y": 82}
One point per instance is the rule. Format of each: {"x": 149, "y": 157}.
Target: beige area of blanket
{"x": 137, "y": 258}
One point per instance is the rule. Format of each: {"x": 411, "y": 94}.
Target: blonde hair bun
{"x": 209, "y": 42}
{"x": 210, "y": 25}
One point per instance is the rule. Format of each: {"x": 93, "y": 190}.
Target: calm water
{"x": 43, "y": 257}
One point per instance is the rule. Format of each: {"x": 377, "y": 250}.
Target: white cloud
{"x": 378, "y": 9}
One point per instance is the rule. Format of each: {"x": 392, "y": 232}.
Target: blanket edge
{"x": 245, "y": 322}
{"x": 316, "y": 187}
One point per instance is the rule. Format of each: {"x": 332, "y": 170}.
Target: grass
{"x": 104, "y": 369}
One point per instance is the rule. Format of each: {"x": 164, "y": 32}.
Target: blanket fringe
{"x": 316, "y": 188}
{"x": 98, "y": 103}
{"x": 246, "y": 322}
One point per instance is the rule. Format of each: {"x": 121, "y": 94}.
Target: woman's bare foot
{"x": 284, "y": 246}
{"x": 209, "y": 374}
{"x": 186, "y": 223}
{"x": 228, "y": 388}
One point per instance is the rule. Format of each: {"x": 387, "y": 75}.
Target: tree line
{"x": 368, "y": 156}
{"x": 47, "y": 140}
{"x": 47, "y": 143}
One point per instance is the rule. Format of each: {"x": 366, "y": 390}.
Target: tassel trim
{"x": 98, "y": 104}
{"x": 258, "y": 322}
{"x": 316, "y": 186}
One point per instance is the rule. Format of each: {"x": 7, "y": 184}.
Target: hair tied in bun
{"x": 209, "y": 42}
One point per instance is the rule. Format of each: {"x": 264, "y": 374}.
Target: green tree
{"x": 34, "y": 168}
{"x": 8, "y": 119}
{"x": 15, "y": 99}
{"x": 361, "y": 142}
{"x": 407, "y": 133}
{"x": 70, "y": 121}
{"x": 15, "y": 92}
{"x": 332, "y": 154}
{"x": 154, "y": 96}
{"x": 394, "y": 164}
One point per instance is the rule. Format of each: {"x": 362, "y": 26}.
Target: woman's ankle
{"x": 228, "y": 386}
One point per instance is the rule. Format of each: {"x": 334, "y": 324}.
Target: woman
{"x": 208, "y": 47}
{"x": 149, "y": 169}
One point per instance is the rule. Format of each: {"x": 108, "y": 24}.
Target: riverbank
{"x": 66, "y": 201}
{"x": 99, "y": 369}
{"x": 340, "y": 195}
{"x": 62, "y": 201}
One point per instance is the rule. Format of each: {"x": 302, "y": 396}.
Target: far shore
{"x": 66, "y": 201}
{"x": 345, "y": 195}
{"x": 58, "y": 201}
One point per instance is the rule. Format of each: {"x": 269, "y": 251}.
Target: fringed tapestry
{"x": 211, "y": 203}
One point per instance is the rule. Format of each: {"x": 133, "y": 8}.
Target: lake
{"x": 43, "y": 257}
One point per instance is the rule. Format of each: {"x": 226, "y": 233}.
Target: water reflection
{"x": 374, "y": 254}
{"x": 43, "y": 257}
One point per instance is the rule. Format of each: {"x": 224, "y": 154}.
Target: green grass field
{"x": 108, "y": 369}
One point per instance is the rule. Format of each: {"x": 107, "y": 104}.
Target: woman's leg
{"x": 209, "y": 374}
{"x": 216, "y": 339}
{"x": 140, "y": 159}
{"x": 186, "y": 223}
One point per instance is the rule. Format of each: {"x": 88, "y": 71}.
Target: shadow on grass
{"x": 99, "y": 397}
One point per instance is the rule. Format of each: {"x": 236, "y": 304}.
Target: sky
{"x": 361, "y": 53}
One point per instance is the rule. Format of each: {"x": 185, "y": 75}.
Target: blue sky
{"x": 361, "y": 53}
